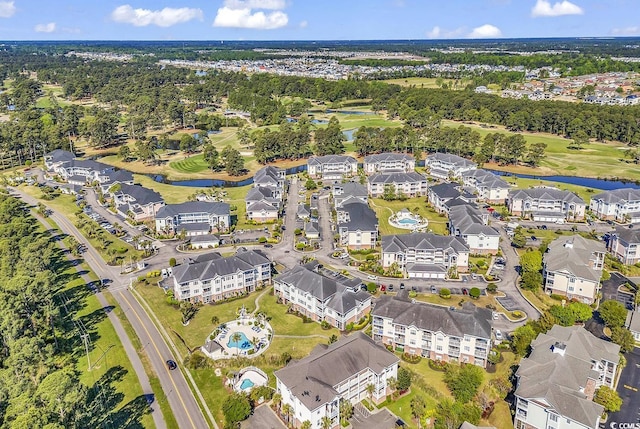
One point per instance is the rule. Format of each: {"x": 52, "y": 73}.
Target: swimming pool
{"x": 407, "y": 221}
{"x": 243, "y": 343}
{"x": 246, "y": 384}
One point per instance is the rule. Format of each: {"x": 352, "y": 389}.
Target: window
{"x": 439, "y": 348}
{"x": 553, "y": 417}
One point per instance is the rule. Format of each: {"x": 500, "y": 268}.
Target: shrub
{"x": 372, "y": 287}
{"x": 557, "y": 297}
{"x": 411, "y": 358}
{"x": 445, "y": 293}
{"x": 474, "y": 293}
{"x": 262, "y": 240}
{"x": 492, "y": 288}
{"x": 349, "y": 327}
{"x": 172, "y": 262}
{"x": 438, "y": 365}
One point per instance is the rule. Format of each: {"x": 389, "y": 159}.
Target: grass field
{"x": 428, "y": 82}
{"x": 385, "y": 209}
{"x": 593, "y": 160}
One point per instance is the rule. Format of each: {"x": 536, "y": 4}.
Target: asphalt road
{"x": 629, "y": 391}
{"x": 185, "y": 408}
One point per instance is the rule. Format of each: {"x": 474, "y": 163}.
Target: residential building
{"x": 337, "y": 300}
{"x": 357, "y": 225}
{"x": 633, "y": 323}
{"x": 349, "y": 191}
{"x": 489, "y": 187}
{"x": 73, "y": 170}
{"x": 137, "y": 202}
{"x": 448, "y": 166}
{"x": 273, "y": 178}
{"x": 315, "y": 386}
{"x": 438, "y": 195}
{"x": 410, "y": 184}
{"x": 620, "y": 205}
{"x": 262, "y": 205}
{"x": 469, "y": 223}
{"x": 425, "y": 255}
{"x": 433, "y": 331}
{"x": 332, "y": 167}
{"x": 303, "y": 212}
{"x": 312, "y": 230}
{"x": 388, "y": 163}
{"x": 207, "y": 241}
{"x": 111, "y": 178}
{"x": 210, "y": 277}
{"x": 546, "y": 204}
{"x": 573, "y": 267}
{"x": 556, "y": 383}
{"x": 624, "y": 245}
{"x": 195, "y": 217}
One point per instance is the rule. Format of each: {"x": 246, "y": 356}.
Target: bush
{"x": 438, "y": 365}
{"x": 262, "y": 240}
{"x": 411, "y": 358}
{"x": 463, "y": 381}
{"x": 372, "y": 287}
{"x": 474, "y": 293}
{"x": 557, "y": 297}
{"x": 172, "y": 262}
{"x": 445, "y": 293}
{"x": 492, "y": 288}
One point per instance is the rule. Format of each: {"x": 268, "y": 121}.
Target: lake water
{"x": 349, "y": 134}
{"x": 349, "y": 112}
{"x": 588, "y": 182}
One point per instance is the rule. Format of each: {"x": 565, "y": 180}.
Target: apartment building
{"x": 624, "y": 245}
{"x": 349, "y": 191}
{"x": 469, "y": 223}
{"x": 489, "y": 187}
{"x": 75, "y": 171}
{"x": 620, "y": 205}
{"x": 272, "y": 178}
{"x": 573, "y": 267}
{"x": 137, "y": 202}
{"x": 332, "y": 167}
{"x": 195, "y": 217}
{"x": 315, "y": 386}
{"x": 211, "y": 277}
{"x": 425, "y": 255}
{"x": 388, "y": 163}
{"x": 433, "y": 331}
{"x": 546, "y": 204}
{"x": 410, "y": 184}
{"x": 448, "y": 166}
{"x": 556, "y": 383}
{"x": 337, "y": 300}
{"x": 357, "y": 225}
{"x": 262, "y": 205}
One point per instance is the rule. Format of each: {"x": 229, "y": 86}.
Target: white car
{"x": 499, "y": 336}
{"x": 372, "y": 277}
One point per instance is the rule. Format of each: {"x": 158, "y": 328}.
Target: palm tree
{"x": 325, "y": 423}
{"x": 287, "y": 410}
{"x": 277, "y": 400}
{"x": 306, "y": 425}
{"x": 346, "y": 411}
{"x": 370, "y": 389}
{"x": 215, "y": 320}
{"x": 236, "y": 339}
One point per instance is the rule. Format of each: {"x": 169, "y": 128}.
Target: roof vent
{"x": 559, "y": 348}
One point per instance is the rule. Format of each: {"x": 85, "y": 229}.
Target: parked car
{"x": 401, "y": 285}
{"x": 268, "y": 245}
{"x": 433, "y": 289}
{"x": 372, "y": 277}
{"x": 499, "y": 336}
{"x": 534, "y": 238}
{"x": 390, "y": 287}
{"x": 465, "y": 291}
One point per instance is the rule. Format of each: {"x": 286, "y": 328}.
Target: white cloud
{"x": 434, "y": 33}
{"x": 162, "y": 18}
{"x": 626, "y": 31}
{"x": 440, "y": 33}
{"x": 303, "y": 24}
{"x": 244, "y": 18}
{"x": 486, "y": 31}
{"x": 7, "y": 9}
{"x": 256, "y": 4}
{"x": 544, "y": 8}
{"x": 45, "y": 28}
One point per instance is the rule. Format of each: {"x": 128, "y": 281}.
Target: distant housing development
{"x": 448, "y": 166}
{"x": 546, "y": 204}
{"x": 620, "y": 205}
{"x": 339, "y": 301}
{"x": 556, "y": 383}
{"x": 433, "y": 331}
{"x": 210, "y": 277}
{"x": 425, "y": 255}
{"x": 332, "y": 167}
{"x": 573, "y": 267}
{"x": 315, "y": 386}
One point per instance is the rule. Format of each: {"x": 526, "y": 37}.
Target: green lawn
{"x": 428, "y": 82}
{"x": 385, "y": 209}
{"x": 193, "y": 164}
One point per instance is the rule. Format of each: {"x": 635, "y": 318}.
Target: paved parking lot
{"x": 263, "y": 417}
{"x": 507, "y": 303}
{"x": 629, "y": 391}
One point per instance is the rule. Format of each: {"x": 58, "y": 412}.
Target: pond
{"x": 349, "y": 134}
{"x": 588, "y": 182}
{"x": 350, "y": 112}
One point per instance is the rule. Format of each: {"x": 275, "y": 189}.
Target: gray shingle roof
{"x": 331, "y": 159}
{"x": 204, "y": 270}
{"x": 387, "y": 156}
{"x": 470, "y": 320}
{"x": 451, "y": 159}
{"x": 259, "y": 193}
{"x": 559, "y": 378}
{"x": 550, "y": 194}
{"x": 468, "y": 220}
{"x": 119, "y": 176}
{"x": 171, "y": 210}
{"x": 422, "y": 240}
{"x": 486, "y": 179}
{"x": 361, "y": 217}
{"x": 628, "y": 235}
{"x": 445, "y": 190}
{"x": 618, "y": 195}
{"x": 311, "y": 379}
{"x": 141, "y": 195}
{"x": 573, "y": 254}
{"x": 260, "y": 206}
{"x": 398, "y": 177}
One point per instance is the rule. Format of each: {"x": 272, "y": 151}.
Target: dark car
{"x": 171, "y": 364}
{"x": 534, "y": 238}
{"x": 433, "y": 289}
{"x": 543, "y": 226}
{"x": 268, "y": 245}
{"x": 465, "y": 291}
{"x": 283, "y": 227}
{"x": 390, "y": 287}
{"x": 401, "y": 285}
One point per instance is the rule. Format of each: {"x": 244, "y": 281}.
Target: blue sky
{"x": 314, "y": 19}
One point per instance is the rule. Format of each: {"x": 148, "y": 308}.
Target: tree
{"x": 531, "y": 261}
{"x": 287, "y": 410}
{"x": 474, "y": 292}
{"x": 188, "y": 144}
{"x": 531, "y": 280}
{"x": 236, "y": 408}
{"x": 624, "y": 338}
{"x": 613, "y": 313}
{"x": 463, "y": 381}
{"x": 124, "y": 152}
{"x": 325, "y": 422}
{"x": 404, "y": 379}
{"x": 564, "y": 315}
{"x": 519, "y": 240}
{"x": 535, "y": 154}
{"x": 215, "y": 320}
{"x": 236, "y": 337}
{"x": 329, "y": 141}
{"x": 333, "y": 338}
{"x": 418, "y": 407}
{"x": 370, "y": 389}
{"x": 389, "y": 192}
{"x": 580, "y": 138}
{"x": 608, "y": 398}
{"x": 211, "y": 156}
{"x": 346, "y": 410}
{"x": 172, "y": 262}
{"x": 521, "y": 339}
{"x": 451, "y": 414}
{"x": 305, "y": 425}
{"x": 233, "y": 161}
{"x": 581, "y": 311}
{"x": 310, "y": 185}
{"x": 145, "y": 151}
